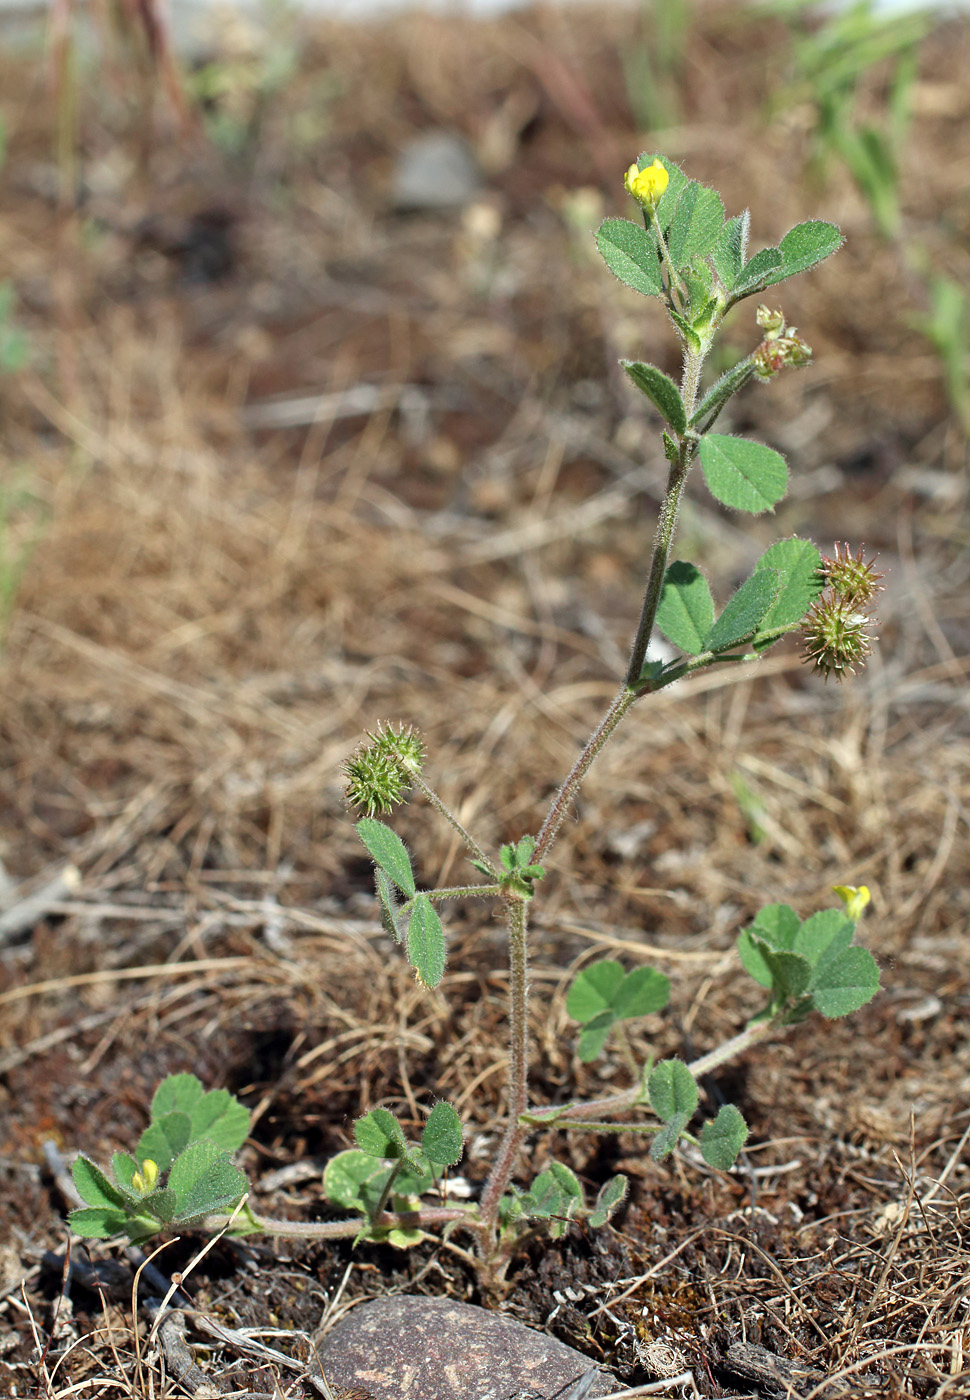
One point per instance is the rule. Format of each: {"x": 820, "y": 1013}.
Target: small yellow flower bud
{"x": 646, "y": 186}
{"x": 854, "y": 898}
{"x": 145, "y": 1180}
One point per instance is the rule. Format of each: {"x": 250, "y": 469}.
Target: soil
{"x": 223, "y": 563}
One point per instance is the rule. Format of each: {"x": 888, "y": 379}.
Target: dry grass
{"x": 216, "y": 608}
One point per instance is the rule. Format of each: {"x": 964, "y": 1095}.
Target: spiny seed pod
{"x": 851, "y": 577}
{"x": 404, "y": 744}
{"x": 837, "y": 636}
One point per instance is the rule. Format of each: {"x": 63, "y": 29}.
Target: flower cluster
{"x": 380, "y": 772}
{"x": 838, "y": 629}
{"x": 782, "y": 347}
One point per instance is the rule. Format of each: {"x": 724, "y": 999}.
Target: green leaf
{"x": 790, "y": 974}
{"x": 720, "y": 392}
{"x": 631, "y": 255}
{"x": 827, "y": 932}
{"x": 677, "y": 182}
{"x": 389, "y": 852}
{"x": 165, "y": 1138}
{"x": 602, "y": 995}
{"x": 753, "y": 960}
{"x": 779, "y": 924}
{"x": 696, "y": 223}
{"x": 611, "y": 1196}
{"x": 686, "y": 611}
{"x": 98, "y": 1224}
{"x": 203, "y": 1179}
{"x": 178, "y": 1093}
{"x": 672, "y": 1090}
{"x": 426, "y": 942}
{"x": 723, "y": 1137}
{"x": 807, "y": 244}
{"x": 387, "y": 899}
{"x": 744, "y": 611}
{"x": 698, "y": 279}
{"x": 220, "y": 1188}
{"x": 742, "y": 474}
{"x": 775, "y": 927}
{"x": 593, "y": 989}
{"x": 220, "y": 1117}
{"x": 159, "y": 1206}
{"x": 641, "y": 992}
{"x": 379, "y": 1134}
{"x": 594, "y": 1036}
{"x": 666, "y": 1140}
{"x": 346, "y": 1177}
{"x": 660, "y": 390}
{"x": 404, "y": 1239}
{"x": 801, "y": 248}
{"x": 842, "y": 984}
{"x": 555, "y": 1192}
{"x": 124, "y": 1166}
{"x": 728, "y": 252}
{"x": 754, "y": 276}
{"x": 523, "y": 851}
{"x": 94, "y": 1187}
{"x": 414, "y": 1178}
{"x": 797, "y": 562}
{"x": 701, "y": 319}
{"x": 690, "y": 336}
{"x": 441, "y": 1140}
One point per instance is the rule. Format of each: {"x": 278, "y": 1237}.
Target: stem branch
{"x": 515, "y": 1132}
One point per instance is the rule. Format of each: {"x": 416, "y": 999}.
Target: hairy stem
{"x": 569, "y": 1114}
{"x": 658, "y": 565}
{"x": 450, "y": 817}
{"x": 515, "y": 1131}
{"x": 565, "y": 795}
{"x": 350, "y": 1229}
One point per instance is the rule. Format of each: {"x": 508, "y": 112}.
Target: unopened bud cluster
{"x": 838, "y": 629}
{"x": 782, "y": 347}
{"x": 380, "y": 772}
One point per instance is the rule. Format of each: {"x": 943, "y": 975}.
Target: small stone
{"x": 411, "y": 1348}
{"x": 435, "y": 171}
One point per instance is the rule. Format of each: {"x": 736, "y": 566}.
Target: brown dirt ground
{"x": 212, "y": 609}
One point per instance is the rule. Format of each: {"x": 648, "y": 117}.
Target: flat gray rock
{"x": 435, "y": 171}
{"x": 412, "y": 1348}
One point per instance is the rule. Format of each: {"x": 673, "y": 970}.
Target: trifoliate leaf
{"x": 593, "y": 989}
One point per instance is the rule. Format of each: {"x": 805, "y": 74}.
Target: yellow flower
{"x": 144, "y": 1181}
{"x": 646, "y": 186}
{"x": 855, "y": 899}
